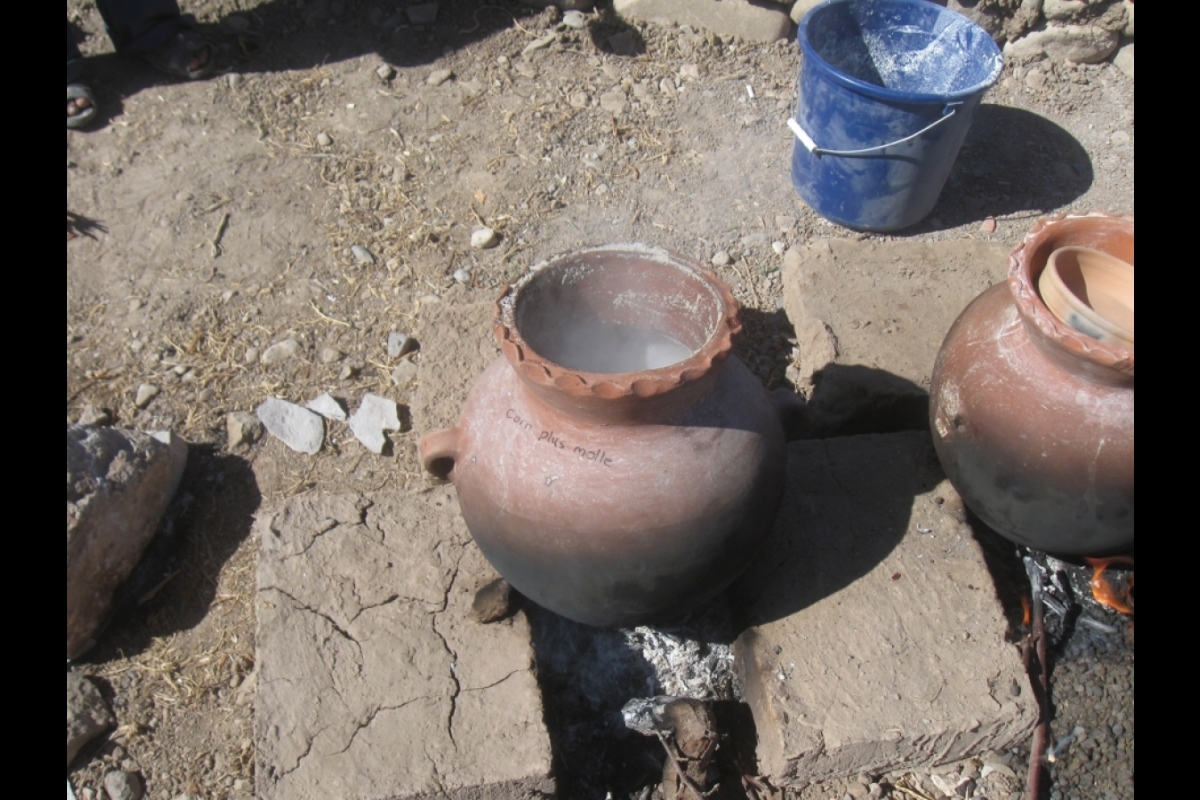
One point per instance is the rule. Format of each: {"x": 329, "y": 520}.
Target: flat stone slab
{"x": 373, "y": 681}
{"x": 875, "y": 639}
{"x": 887, "y": 304}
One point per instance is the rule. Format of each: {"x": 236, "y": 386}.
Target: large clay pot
{"x": 616, "y": 463}
{"x": 1032, "y": 419}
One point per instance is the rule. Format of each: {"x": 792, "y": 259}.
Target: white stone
{"x": 439, "y": 76}
{"x": 361, "y": 254}
{"x": 145, "y": 393}
{"x": 297, "y": 427}
{"x": 399, "y": 343}
{"x": 328, "y": 407}
{"x": 484, "y": 238}
{"x": 374, "y": 415}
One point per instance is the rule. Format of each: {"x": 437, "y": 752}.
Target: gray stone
{"x": 871, "y": 540}
{"x": 120, "y": 785}
{"x": 1083, "y": 44}
{"x": 323, "y": 139}
{"x": 802, "y": 7}
{"x": 374, "y": 681}
{"x": 1063, "y": 9}
{"x": 233, "y": 80}
{"x": 93, "y": 415}
{"x": 327, "y": 407}
{"x": 331, "y": 355}
{"x": 373, "y": 416}
{"x": 439, "y": 76}
{"x": 462, "y": 275}
{"x": 119, "y": 484}
{"x": 484, "y": 238}
{"x": 1124, "y": 60}
{"x": 242, "y": 428}
{"x": 575, "y": 20}
{"x": 398, "y": 344}
{"x": 281, "y": 352}
{"x": 493, "y": 602}
{"x": 404, "y": 374}
{"x": 297, "y": 427}
{"x": 721, "y": 259}
{"x": 741, "y": 18}
{"x": 251, "y": 355}
{"x": 422, "y": 14}
{"x": 361, "y": 254}
{"x": 145, "y": 393}
{"x": 385, "y": 72}
{"x": 87, "y": 713}
{"x": 613, "y": 101}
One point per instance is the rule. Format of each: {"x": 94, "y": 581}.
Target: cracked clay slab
{"x": 374, "y": 682}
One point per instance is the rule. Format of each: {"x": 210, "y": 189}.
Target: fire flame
{"x": 1104, "y": 592}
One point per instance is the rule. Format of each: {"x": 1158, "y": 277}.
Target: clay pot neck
{"x": 617, "y": 334}
{"x": 1071, "y": 349}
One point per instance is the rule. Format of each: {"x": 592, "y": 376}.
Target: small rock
{"x": 574, "y": 19}
{"x": 331, "y": 355}
{"x": 667, "y": 87}
{"x": 206, "y": 395}
{"x": 120, "y": 785}
{"x": 242, "y": 428}
{"x": 484, "y": 238}
{"x": 493, "y": 602}
{"x": 779, "y": 247}
{"x": 374, "y": 415}
{"x": 989, "y": 225}
{"x": 721, "y": 259}
{"x": 462, "y": 275}
{"x": 347, "y": 372}
{"x": 328, "y": 407}
{"x": 1035, "y": 79}
{"x": 439, "y": 76}
{"x": 690, "y": 71}
{"x": 145, "y": 393}
{"x": 323, "y": 139}
{"x": 280, "y": 352}
{"x": 385, "y": 72}
{"x": 423, "y": 14}
{"x": 297, "y": 427}
{"x": 251, "y": 355}
{"x": 399, "y": 343}
{"x": 91, "y": 415}
{"x": 540, "y": 43}
{"x": 234, "y": 80}
{"x": 404, "y": 374}
{"x": 1118, "y": 730}
{"x": 623, "y": 43}
{"x": 361, "y": 254}
{"x": 1083, "y": 44}
{"x": 87, "y": 713}
{"x": 1124, "y": 60}
{"x": 613, "y": 101}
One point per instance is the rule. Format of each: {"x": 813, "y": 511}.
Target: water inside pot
{"x": 605, "y": 348}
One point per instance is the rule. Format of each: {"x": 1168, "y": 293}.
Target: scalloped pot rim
{"x": 539, "y": 369}
{"x": 1024, "y": 269}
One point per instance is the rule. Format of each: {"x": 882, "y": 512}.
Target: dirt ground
{"x": 209, "y": 220}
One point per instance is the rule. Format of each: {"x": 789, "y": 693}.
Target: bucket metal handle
{"x": 949, "y": 111}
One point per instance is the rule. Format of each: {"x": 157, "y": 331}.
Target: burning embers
{"x": 1118, "y": 597}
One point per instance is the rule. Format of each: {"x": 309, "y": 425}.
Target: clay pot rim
{"x": 1023, "y": 277}
{"x": 646, "y": 383}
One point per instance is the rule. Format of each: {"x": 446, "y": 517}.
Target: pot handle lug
{"x": 439, "y": 451}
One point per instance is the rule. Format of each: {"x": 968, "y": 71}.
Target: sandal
{"x": 84, "y": 115}
{"x": 176, "y": 55}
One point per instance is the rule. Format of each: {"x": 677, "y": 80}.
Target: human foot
{"x": 184, "y": 55}
{"x": 81, "y": 105}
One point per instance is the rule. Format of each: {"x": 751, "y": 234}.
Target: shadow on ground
{"x": 286, "y": 35}
{"x": 175, "y": 583}
{"x": 1012, "y": 161}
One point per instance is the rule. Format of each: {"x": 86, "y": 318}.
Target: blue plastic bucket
{"x": 887, "y": 91}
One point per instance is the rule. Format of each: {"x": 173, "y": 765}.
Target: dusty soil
{"x": 209, "y": 220}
